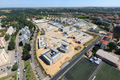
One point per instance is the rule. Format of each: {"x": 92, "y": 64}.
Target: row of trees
{"x": 26, "y": 54}
{"x": 112, "y": 47}
{"x": 7, "y": 37}
{"x": 99, "y": 23}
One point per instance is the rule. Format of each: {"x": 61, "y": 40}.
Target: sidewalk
{"x": 96, "y": 71}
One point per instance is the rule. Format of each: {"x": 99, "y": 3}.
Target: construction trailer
{"x": 64, "y": 40}
{"x": 70, "y": 30}
{"x": 84, "y": 39}
{"x": 58, "y": 25}
{"x": 79, "y": 34}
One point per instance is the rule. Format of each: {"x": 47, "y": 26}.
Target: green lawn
{"x": 108, "y": 72}
{"x": 13, "y": 75}
{"x": 29, "y": 74}
{"x": 80, "y": 71}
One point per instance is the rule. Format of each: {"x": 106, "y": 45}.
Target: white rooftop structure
{"x": 51, "y": 56}
{"x": 80, "y": 24}
{"x": 107, "y": 55}
{"x": 3, "y": 56}
{"x": 42, "y": 43}
{"x": 2, "y": 42}
{"x": 40, "y": 21}
{"x": 68, "y": 29}
{"x": 10, "y": 30}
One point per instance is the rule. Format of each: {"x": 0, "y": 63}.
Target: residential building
{"x": 10, "y": 30}
{"x": 51, "y": 56}
{"x": 25, "y": 35}
{"x": 3, "y": 57}
{"x": 24, "y": 39}
{"x": 2, "y": 42}
{"x": 107, "y": 38}
{"x": 88, "y": 54}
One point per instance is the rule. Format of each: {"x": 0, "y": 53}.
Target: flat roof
{"x": 107, "y": 55}
{"x": 10, "y": 30}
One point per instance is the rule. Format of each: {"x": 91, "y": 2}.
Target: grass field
{"x": 13, "y": 76}
{"x": 80, "y": 71}
{"x": 29, "y": 74}
{"x": 108, "y": 72}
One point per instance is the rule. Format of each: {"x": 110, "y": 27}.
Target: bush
{"x": 8, "y": 67}
{"x": 78, "y": 47}
{"x": 26, "y": 50}
{"x": 15, "y": 67}
{"x": 42, "y": 32}
{"x": 11, "y": 45}
{"x": 7, "y": 36}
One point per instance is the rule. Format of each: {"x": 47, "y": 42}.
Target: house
{"x": 63, "y": 48}
{"x": 107, "y": 38}
{"x": 10, "y": 30}
{"x": 103, "y": 43}
{"x": 88, "y": 54}
{"x": 2, "y": 42}
{"x": 51, "y": 56}
{"x": 107, "y": 57}
{"x": 3, "y": 57}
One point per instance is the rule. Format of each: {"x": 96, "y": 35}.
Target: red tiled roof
{"x": 103, "y": 41}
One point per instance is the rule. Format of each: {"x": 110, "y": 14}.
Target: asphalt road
{"x": 64, "y": 70}
{"x": 34, "y": 64}
{"x": 21, "y": 74}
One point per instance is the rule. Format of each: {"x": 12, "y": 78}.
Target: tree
{"x": 112, "y": 46}
{"x": 7, "y": 36}
{"x": 11, "y": 45}
{"x": 15, "y": 67}
{"x": 117, "y": 51}
{"x": 26, "y": 50}
{"x": 95, "y": 48}
{"x": 118, "y": 39}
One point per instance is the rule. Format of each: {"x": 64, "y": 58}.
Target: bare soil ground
{"x": 54, "y": 68}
